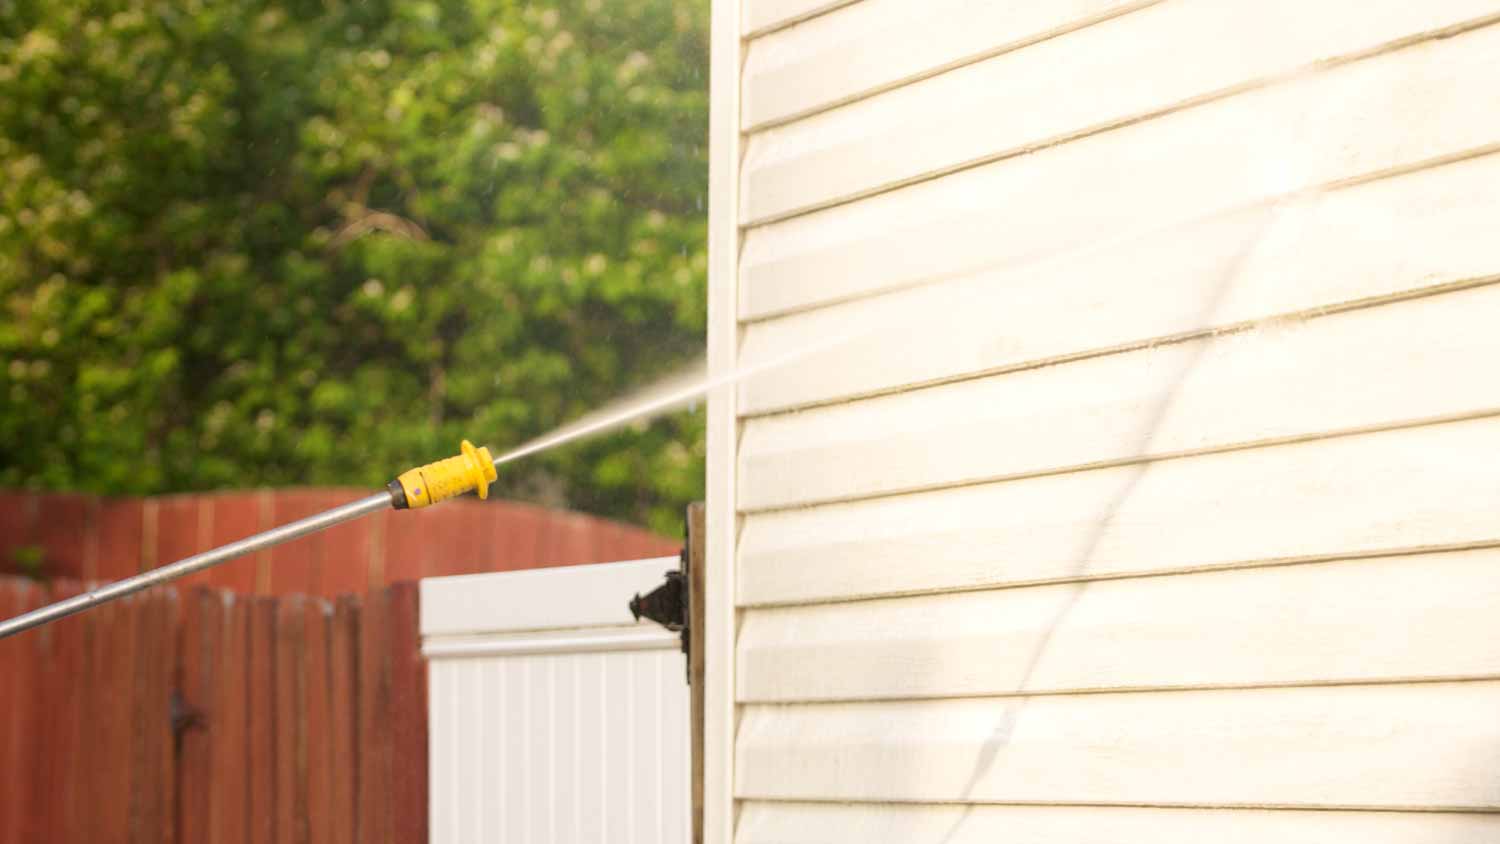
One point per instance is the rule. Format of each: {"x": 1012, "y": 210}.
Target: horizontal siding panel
{"x": 1430, "y": 616}
{"x": 1427, "y": 101}
{"x": 1087, "y": 80}
{"x": 807, "y": 823}
{"x": 757, "y": 16}
{"x": 876, "y": 44}
{"x": 1413, "y": 488}
{"x": 1366, "y": 368}
{"x": 1377, "y": 239}
{"x": 1374, "y": 240}
{"x": 1413, "y": 746}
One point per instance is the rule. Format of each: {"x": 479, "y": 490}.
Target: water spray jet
{"x": 473, "y": 469}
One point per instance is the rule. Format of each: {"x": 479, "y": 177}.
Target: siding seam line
{"x": 788, "y": 23}
{"x": 1246, "y": 807}
{"x": 1021, "y": 43}
{"x": 1328, "y": 683}
{"x": 1229, "y": 92}
{"x": 1136, "y": 460}
{"x": 1237, "y": 565}
{"x": 1030, "y": 262}
{"x": 1227, "y": 329}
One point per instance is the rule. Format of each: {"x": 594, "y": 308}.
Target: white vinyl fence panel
{"x": 553, "y": 716}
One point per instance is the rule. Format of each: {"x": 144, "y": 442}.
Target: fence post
{"x": 697, "y": 595}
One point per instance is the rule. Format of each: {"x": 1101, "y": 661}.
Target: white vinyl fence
{"x": 553, "y": 716}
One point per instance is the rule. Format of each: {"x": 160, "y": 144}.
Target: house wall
{"x": 1129, "y": 474}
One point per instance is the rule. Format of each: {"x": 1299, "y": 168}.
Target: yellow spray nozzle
{"x": 447, "y": 478}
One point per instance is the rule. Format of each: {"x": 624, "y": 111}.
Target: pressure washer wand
{"x": 473, "y": 469}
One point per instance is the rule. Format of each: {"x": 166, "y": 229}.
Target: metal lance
{"x": 472, "y": 470}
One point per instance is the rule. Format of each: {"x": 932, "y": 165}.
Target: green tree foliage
{"x": 286, "y": 242}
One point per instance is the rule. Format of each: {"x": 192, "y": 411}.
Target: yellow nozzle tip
{"x": 472, "y": 468}
{"x": 483, "y": 465}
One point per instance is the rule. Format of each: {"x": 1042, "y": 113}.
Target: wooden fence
{"x": 205, "y": 716}
{"x": 87, "y": 537}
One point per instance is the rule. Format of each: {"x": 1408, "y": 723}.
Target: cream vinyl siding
{"x": 1135, "y": 476}
{"x": 759, "y": 17}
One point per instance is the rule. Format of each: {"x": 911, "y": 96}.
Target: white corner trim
{"x": 721, "y": 510}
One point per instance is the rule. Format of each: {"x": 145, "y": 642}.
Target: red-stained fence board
{"x": 261, "y": 701}
{"x": 408, "y": 792}
{"x": 180, "y": 532}
{"x": 291, "y": 724}
{"x": 153, "y": 767}
{"x": 93, "y": 684}
{"x": 405, "y": 554}
{"x": 316, "y": 715}
{"x": 527, "y": 537}
{"x": 343, "y": 676}
{"x": 16, "y": 514}
{"x": 63, "y": 666}
{"x": 234, "y": 516}
{"x": 375, "y": 746}
{"x": 456, "y": 540}
{"x": 21, "y": 660}
{"x": 442, "y": 540}
{"x": 197, "y": 676}
{"x": 106, "y": 801}
{"x": 573, "y": 544}
{"x": 227, "y": 721}
{"x": 10, "y": 724}
{"x": 294, "y": 566}
{"x": 117, "y": 718}
{"x": 118, "y": 527}
{"x": 60, "y": 529}
{"x": 346, "y": 552}
{"x": 614, "y": 541}
{"x": 10, "y": 691}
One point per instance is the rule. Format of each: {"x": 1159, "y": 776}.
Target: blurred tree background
{"x": 293, "y": 242}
